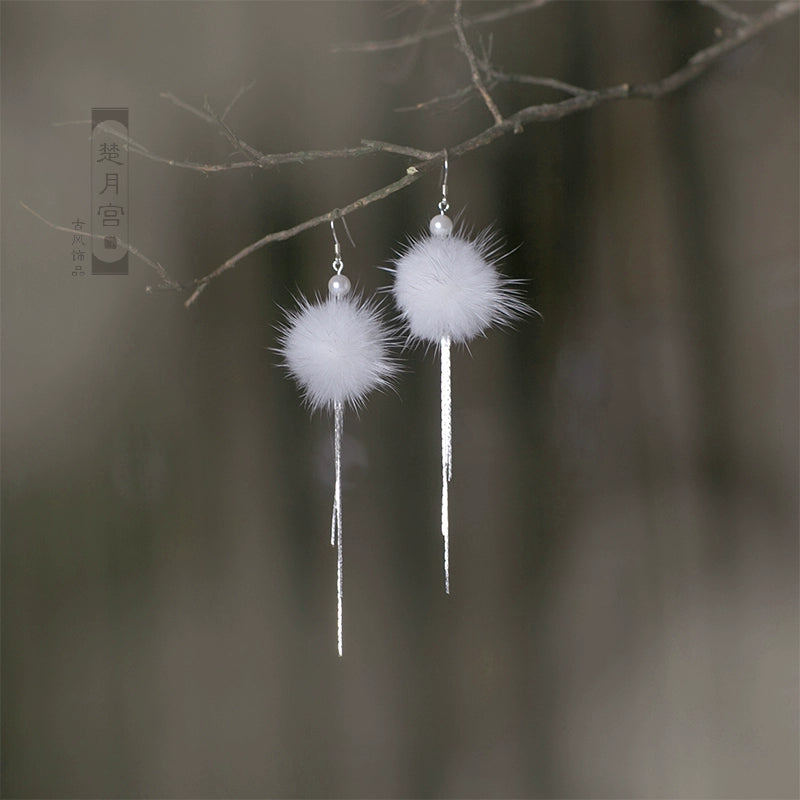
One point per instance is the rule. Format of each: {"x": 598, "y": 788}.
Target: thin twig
{"x": 442, "y": 30}
{"x": 367, "y": 147}
{"x": 724, "y": 10}
{"x": 236, "y": 98}
{"x": 459, "y": 94}
{"x": 552, "y": 83}
{"x": 494, "y": 77}
{"x": 475, "y": 73}
{"x": 162, "y": 273}
{"x": 186, "y": 107}
{"x": 240, "y": 146}
{"x": 137, "y": 147}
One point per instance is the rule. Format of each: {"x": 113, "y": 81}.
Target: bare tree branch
{"x": 724, "y": 10}
{"x": 492, "y": 78}
{"x": 582, "y": 100}
{"x": 442, "y": 30}
{"x": 367, "y": 147}
{"x": 477, "y": 81}
{"x": 412, "y": 175}
{"x": 137, "y": 147}
{"x": 162, "y": 273}
{"x": 698, "y": 64}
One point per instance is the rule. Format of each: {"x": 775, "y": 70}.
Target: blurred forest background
{"x": 624, "y": 611}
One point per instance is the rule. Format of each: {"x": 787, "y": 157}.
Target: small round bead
{"x": 339, "y": 285}
{"x": 441, "y": 225}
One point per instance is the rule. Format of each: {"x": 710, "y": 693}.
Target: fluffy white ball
{"x": 337, "y": 350}
{"x": 450, "y": 286}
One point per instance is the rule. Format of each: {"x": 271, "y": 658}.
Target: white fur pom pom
{"x": 337, "y": 350}
{"x": 449, "y": 287}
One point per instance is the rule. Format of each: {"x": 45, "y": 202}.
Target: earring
{"x": 337, "y": 350}
{"x": 448, "y": 290}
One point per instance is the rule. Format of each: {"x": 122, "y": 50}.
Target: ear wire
{"x": 339, "y": 285}
{"x": 338, "y": 264}
{"x": 443, "y": 204}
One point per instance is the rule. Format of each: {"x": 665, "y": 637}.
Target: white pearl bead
{"x": 339, "y": 285}
{"x": 441, "y": 225}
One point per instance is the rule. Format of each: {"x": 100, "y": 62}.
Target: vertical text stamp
{"x": 110, "y": 213}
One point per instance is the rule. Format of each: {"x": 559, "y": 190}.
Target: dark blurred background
{"x": 624, "y": 611}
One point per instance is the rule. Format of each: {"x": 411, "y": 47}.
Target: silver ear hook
{"x": 443, "y": 204}
{"x": 338, "y": 264}
{"x": 338, "y": 285}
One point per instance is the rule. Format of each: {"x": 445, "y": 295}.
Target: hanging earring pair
{"x": 448, "y": 290}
